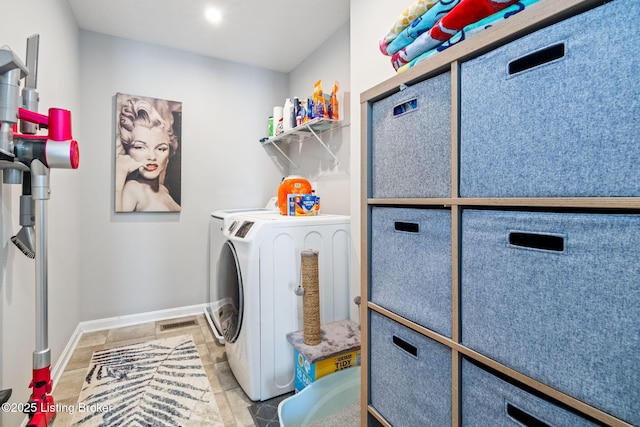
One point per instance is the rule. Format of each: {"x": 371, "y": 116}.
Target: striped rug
{"x": 156, "y": 383}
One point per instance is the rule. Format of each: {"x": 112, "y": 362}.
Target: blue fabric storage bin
{"x": 556, "y": 296}
{"x": 411, "y": 141}
{"x": 556, "y": 113}
{"x": 488, "y": 400}
{"x": 411, "y": 264}
{"x": 410, "y": 375}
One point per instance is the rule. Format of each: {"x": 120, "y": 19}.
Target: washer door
{"x": 229, "y": 298}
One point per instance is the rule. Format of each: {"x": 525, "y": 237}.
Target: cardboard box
{"x": 303, "y": 205}
{"x": 339, "y": 349}
{"x": 308, "y": 372}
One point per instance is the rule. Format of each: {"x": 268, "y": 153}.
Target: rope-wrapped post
{"x": 311, "y": 298}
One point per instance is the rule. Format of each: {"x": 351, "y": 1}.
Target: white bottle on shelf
{"x": 287, "y": 115}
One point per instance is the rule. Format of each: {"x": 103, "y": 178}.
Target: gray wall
{"x": 327, "y": 63}
{"x": 159, "y": 261}
{"x": 140, "y": 262}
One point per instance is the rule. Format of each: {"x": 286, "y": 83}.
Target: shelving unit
{"x": 407, "y": 315}
{"x": 312, "y": 129}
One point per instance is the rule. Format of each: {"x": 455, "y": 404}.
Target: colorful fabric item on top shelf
{"x": 465, "y": 13}
{"x": 472, "y": 29}
{"x": 406, "y": 18}
{"x": 420, "y": 25}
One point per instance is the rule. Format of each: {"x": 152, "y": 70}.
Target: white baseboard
{"x": 56, "y": 371}
{"x": 136, "y": 319}
{"x": 117, "y": 322}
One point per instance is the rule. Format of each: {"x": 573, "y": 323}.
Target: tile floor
{"x": 231, "y": 400}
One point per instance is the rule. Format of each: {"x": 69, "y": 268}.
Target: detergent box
{"x": 339, "y": 349}
{"x": 303, "y": 204}
{"x": 308, "y": 371}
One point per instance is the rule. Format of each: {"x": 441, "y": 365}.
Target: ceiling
{"x": 275, "y": 34}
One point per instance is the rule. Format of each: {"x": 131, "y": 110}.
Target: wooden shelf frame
{"x": 542, "y": 14}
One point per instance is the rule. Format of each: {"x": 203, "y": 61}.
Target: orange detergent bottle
{"x": 291, "y": 185}
{"x": 333, "y": 102}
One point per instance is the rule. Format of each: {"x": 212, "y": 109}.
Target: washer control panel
{"x": 243, "y": 229}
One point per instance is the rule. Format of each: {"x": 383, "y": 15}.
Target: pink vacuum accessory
{"x": 57, "y": 149}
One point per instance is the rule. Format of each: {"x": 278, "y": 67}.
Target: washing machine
{"x": 217, "y": 221}
{"x": 259, "y": 269}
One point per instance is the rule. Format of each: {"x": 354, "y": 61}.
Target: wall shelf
{"x": 313, "y": 128}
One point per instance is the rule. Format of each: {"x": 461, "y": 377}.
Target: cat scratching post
{"x": 311, "y": 298}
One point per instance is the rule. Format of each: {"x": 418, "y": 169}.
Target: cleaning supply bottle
{"x": 277, "y": 120}
{"x": 318, "y": 100}
{"x": 333, "y": 102}
{"x": 288, "y": 118}
{"x": 316, "y": 207}
{"x": 297, "y": 110}
{"x": 310, "y": 110}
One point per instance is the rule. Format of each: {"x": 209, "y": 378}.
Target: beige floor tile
{"x": 92, "y": 339}
{"x": 207, "y": 334}
{"x": 214, "y": 381}
{"x": 239, "y": 403}
{"x": 225, "y": 410}
{"x": 70, "y": 384}
{"x": 205, "y": 356}
{"x": 128, "y": 333}
{"x": 227, "y": 380}
{"x": 81, "y": 357}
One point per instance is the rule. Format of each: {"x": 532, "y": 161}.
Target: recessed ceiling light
{"x": 214, "y": 15}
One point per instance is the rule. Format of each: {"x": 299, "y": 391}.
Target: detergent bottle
{"x": 333, "y": 102}
{"x": 292, "y": 184}
{"x": 288, "y": 116}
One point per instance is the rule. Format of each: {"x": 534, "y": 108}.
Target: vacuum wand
{"x": 27, "y": 158}
{"x": 41, "y": 402}
{"x": 41, "y": 193}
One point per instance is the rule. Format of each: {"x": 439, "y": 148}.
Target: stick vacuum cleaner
{"x": 26, "y": 158}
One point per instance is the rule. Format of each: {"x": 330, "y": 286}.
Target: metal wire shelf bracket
{"x": 298, "y": 134}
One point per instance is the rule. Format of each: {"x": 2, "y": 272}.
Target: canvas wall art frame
{"x": 148, "y": 151}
